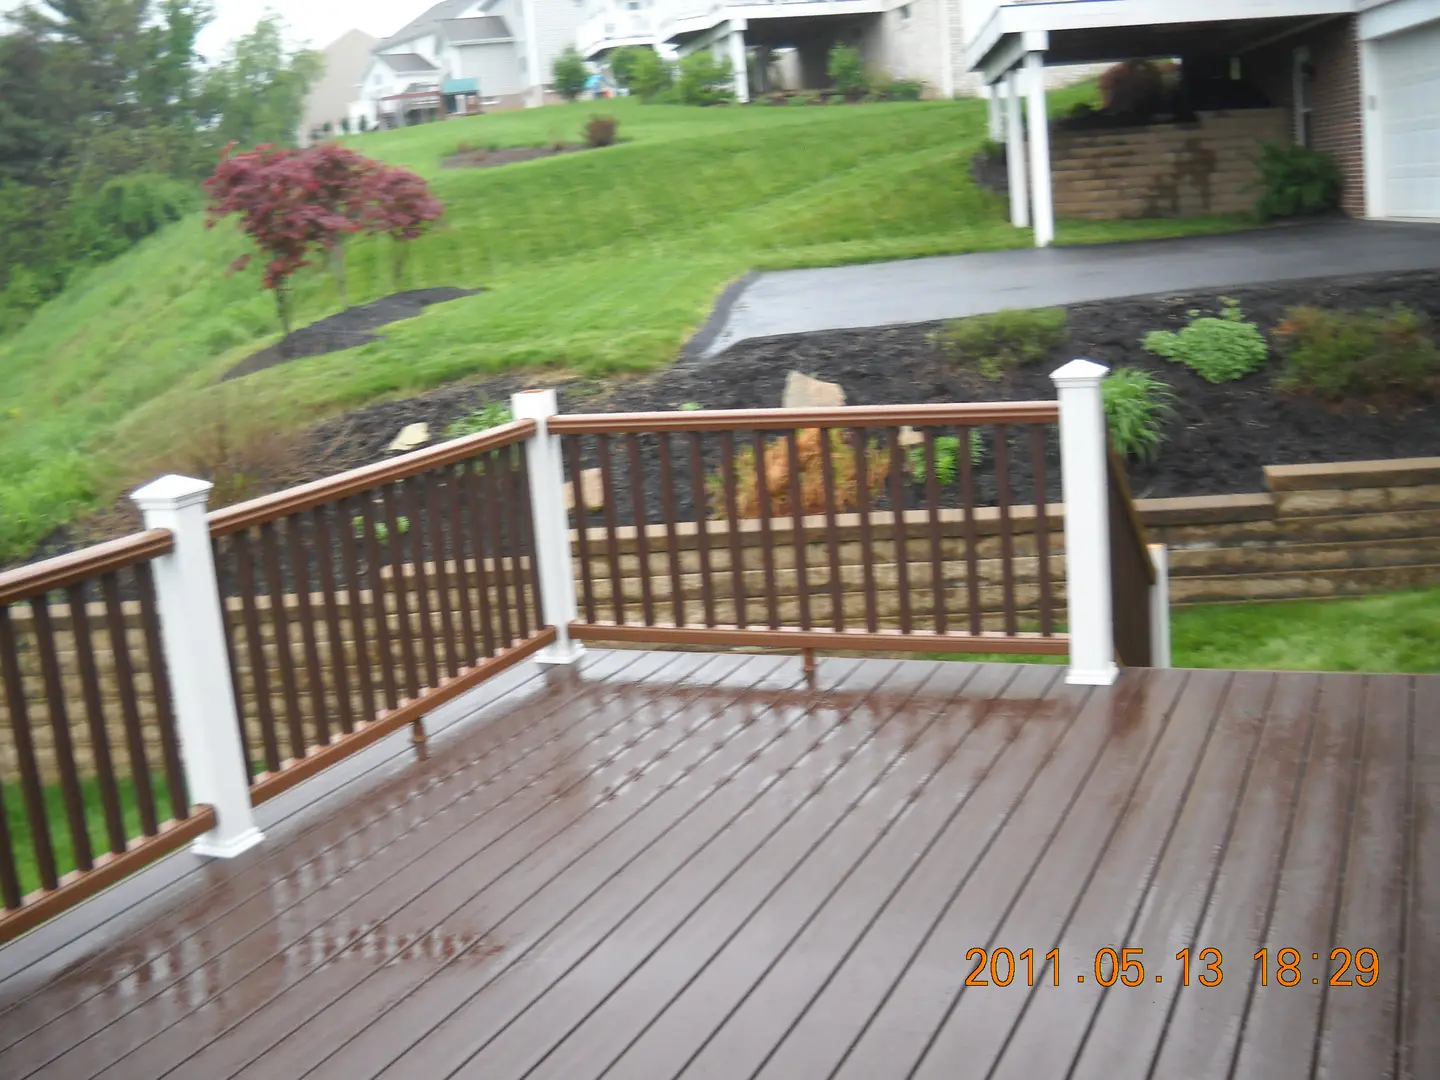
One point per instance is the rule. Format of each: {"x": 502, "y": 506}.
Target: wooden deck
{"x": 684, "y": 864}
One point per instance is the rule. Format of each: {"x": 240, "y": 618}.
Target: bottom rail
{"x": 77, "y": 885}
{"x": 846, "y": 640}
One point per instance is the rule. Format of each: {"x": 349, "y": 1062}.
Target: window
{"x": 1302, "y": 97}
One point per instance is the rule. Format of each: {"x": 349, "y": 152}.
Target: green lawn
{"x": 599, "y": 262}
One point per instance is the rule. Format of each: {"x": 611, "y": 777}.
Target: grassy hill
{"x": 597, "y": 262}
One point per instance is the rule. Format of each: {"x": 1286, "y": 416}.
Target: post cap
{"x": 1079, "y": 373}
{"x": 535, "y": 404}
{"x": 172, "y": 492}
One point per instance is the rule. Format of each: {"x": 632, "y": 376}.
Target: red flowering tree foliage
{"x": 295, "y": 203}
{"x": 402, "y": 207}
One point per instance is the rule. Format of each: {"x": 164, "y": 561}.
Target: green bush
{"x": 704, "y": 81}
{"x": 650, "y": 76}
{"x": 623, "y": 62}
{"x": 998, "y": 343}
{"x": 947, "y": 458}
{"x": 847, "y": 71}
{"x": 1217, "y": 349}
{"x": 1295, "y": 180}
{"x": 488, "y": 416}
{"x": 569, "y": 73}
{"x": 906, "y": 90}
{"x": 1135, "y": 405}
{"x": 1349, "y": 355}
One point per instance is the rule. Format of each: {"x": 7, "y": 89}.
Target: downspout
{"x": 532, "y": 56}
{"x": 947, "y": 51}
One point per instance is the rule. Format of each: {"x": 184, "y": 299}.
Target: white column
{"x": 737, "y": 61}
{"x": 1039, "y": 150}
{"x": 1160, "y": 607}
{"x": 997, "y": 114}
{"x": 552, "y": 524}
{"x": 1015, "y": 153}
{"x": 535, "y": 92}
{"x": 1084, "y": 479}
{"x": 193, "y": 635}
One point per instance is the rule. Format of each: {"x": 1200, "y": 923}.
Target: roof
{"x": 429, "y": 21}
{"x": 484, "y": 28}
{"x": 405, "y": 63}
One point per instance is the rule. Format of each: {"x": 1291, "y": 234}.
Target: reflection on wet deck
{"x": 703, "y": 865}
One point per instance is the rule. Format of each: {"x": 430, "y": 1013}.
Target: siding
{"x": 494, "y": 65}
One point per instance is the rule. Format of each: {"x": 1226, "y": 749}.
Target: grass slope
{"x": 600, "y": 262}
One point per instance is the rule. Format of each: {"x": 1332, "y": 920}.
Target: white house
{"x": 462, "y": 55}
{"x": 1359, "y": 79}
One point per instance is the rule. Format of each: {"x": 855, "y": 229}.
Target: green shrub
{"x": 947, "y": 457}
{"x": 705, "y": 80}
{"x": 997, "y": 343}
{"x": 847, "y": 71}
{"x": 569, "y": 73}
{"x": 1348, "y": 355}
{"x": 1295, "y": 180}
{"x": 623, "y": 62}
{"x": 649, "y": 75}
{"x": 1217, "y": 349}
{"x": 1135, "y": 405}
{"x": 489, "y": 416}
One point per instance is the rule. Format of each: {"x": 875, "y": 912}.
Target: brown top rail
{"x": 25, "y": 582}
{"x": 242, "y": 516}
{"x": 846, "y": 416}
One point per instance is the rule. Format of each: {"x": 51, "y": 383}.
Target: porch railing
{"x": 215, "y": 660}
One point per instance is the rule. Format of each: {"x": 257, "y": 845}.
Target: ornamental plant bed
{"x": 482, "y": 158}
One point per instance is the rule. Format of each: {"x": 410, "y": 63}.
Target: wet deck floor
{"x": 687, "y": 865}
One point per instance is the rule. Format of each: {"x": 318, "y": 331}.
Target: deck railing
{"x": 216, "y": 660}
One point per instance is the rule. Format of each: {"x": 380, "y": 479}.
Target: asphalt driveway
{"x": 953, "y": 286}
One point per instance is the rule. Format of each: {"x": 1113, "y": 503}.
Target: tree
{"x": 569, "y": 73}
{"x": 401, "y": 206}
{"x": 623, "y": 62}
{"x": 846, "y": 69}
{"x": 257, "y": 95}
{"x": 705, "y": 80}
{"x": 650, "y": 76}
{"x": 342, "y": 182}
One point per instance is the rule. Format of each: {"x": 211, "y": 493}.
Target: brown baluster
{"x": 867, "y": 543}
{"x": 937, "y": 552}
{"x": 95, "y": 719}
{"x": 526, "y": 526}
{"x": 897, "y": 508}
{"x": 667, "y": 509}
{"x": 129, "y": 703}
{"x": 255, "y": 648}
{"x": 160, "y": 690}
{"x": 401, "y": 587}
{"x": 366, "y": 528}
{"x": 767, "y": 539}
{"x": 582, "y": 528}
{"x": 732, "y": 523}
{"x": 1042, "y": 532}
{"x": 612, "y": 549}
{"x": 435, "y": 530}
{"x": 233, "y": 631}
{"x": 702, "y": 532}
{"x": 339, "y": 667}
{"x": 454, "y": 492}
{"x": 9, "y": 877}
{"x": 315, "y": 674}
{"x": 967, "y": 505}
{"x": 280, "y": 623}
{"x": 641, "y": 519}
{"x": 832, "y": 530}
{"x": 493, "y": 493}
{"x": 30, "y": 788}
{"x": 1007, "y": 538}
{"x": 60, "y": 730}
{"x": 475, "y": 503}
{"x": 797, "y": 522}
{"x": 415, "y": 541}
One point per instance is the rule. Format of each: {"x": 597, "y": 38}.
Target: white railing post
{"x": 1041, "y": 196}
{"x": 1160, "y": 607}
{"x": 552, "y": 524}
{"x": 1084, "y": 479}
{"x": 192, "y": 630}
{"x": 1015, "y": 153}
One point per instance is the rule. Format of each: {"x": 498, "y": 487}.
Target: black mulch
{"x": 347, "y": 330}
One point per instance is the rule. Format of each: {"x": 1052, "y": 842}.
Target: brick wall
{"x": 1336, "y": 105}
{"x": 1163, "y": 170}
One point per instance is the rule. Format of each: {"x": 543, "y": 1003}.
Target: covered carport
{"x": 1013, "y": 47}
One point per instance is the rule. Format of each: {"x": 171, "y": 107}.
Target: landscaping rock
{"x": 910, "y": 437}
{"x": 803, "y": 392}
{"x": 592, "y": 490}
{"x": 411, "y": 437}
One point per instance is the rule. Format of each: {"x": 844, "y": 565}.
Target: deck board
{"x": 683, "y": 864}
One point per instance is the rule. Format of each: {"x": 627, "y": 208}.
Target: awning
{"x": 460, "y": 86}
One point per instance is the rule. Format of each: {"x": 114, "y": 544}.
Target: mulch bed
{"x": 509, "y": 155}
{"x": 347, "y": 330}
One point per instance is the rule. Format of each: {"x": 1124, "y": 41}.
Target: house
{"x": 613, "y": 24}
{"x": 1359, "y": 79}
{"x": 328, "y": 102}
{"x": 461, "y": 55}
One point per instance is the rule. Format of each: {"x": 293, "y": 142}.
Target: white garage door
{"x": 1409, "y": 77}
